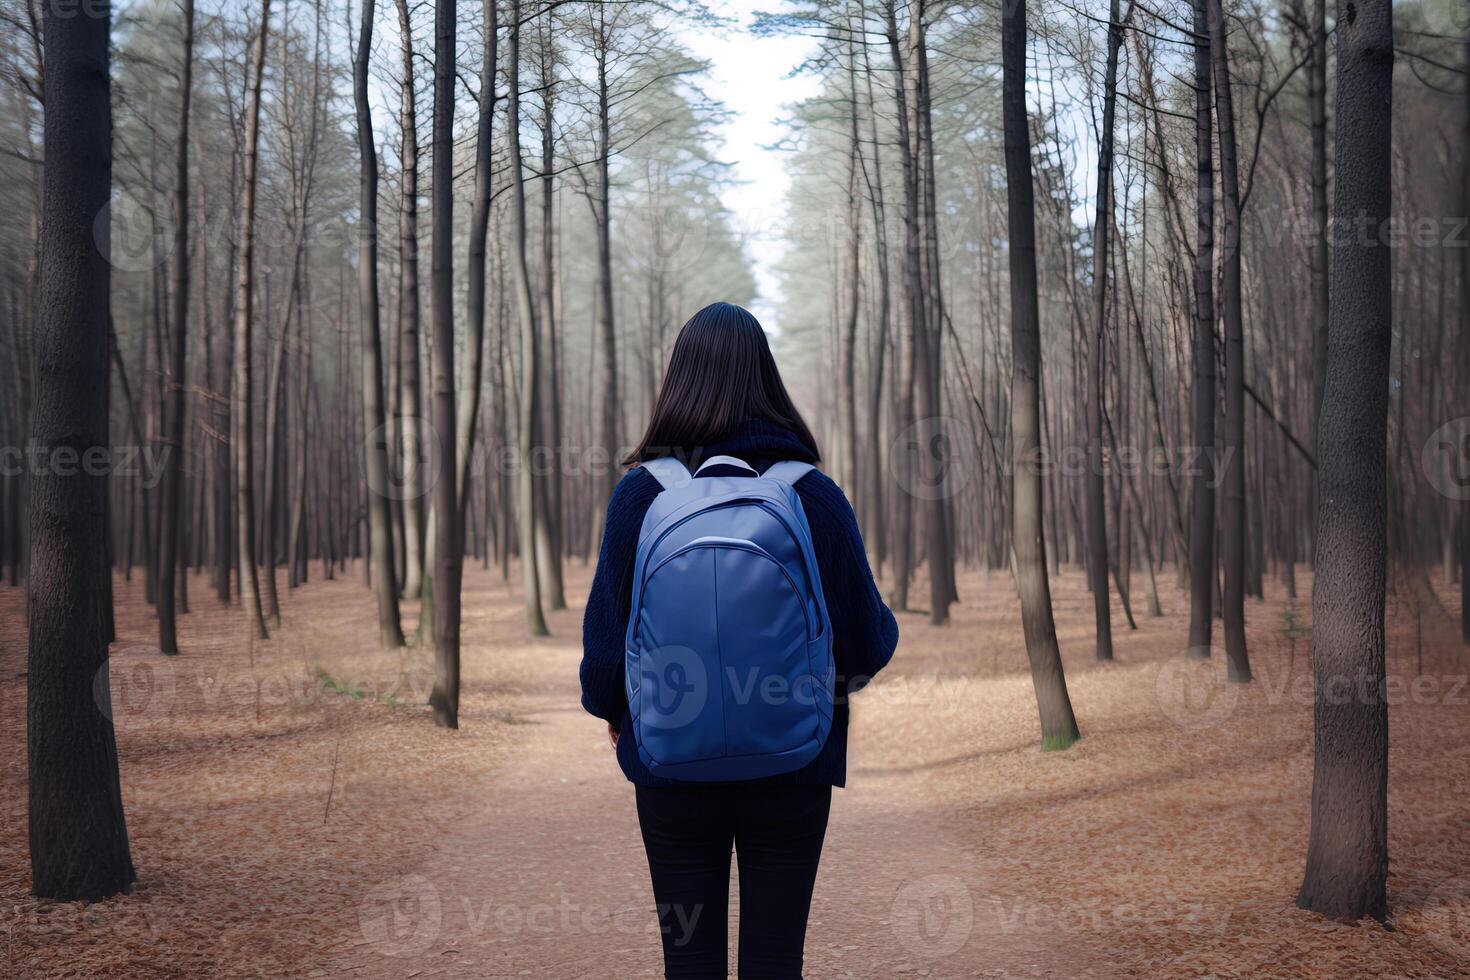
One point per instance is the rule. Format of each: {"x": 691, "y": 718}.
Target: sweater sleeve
{"x": 864, "y": 632}
{"x": 605, "y": 622}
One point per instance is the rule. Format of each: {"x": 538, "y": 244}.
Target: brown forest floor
{"x": 283, "y": 828}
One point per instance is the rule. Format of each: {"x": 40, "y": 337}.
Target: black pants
{"x": 777, "y": 835}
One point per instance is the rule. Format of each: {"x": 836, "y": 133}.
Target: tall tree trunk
{"x": 1097, "y": 532}
{"x": 1462, "y": 370}
{"x": 1202, "y": 517}
{"x": 927, "y": 306}
{"x": 448, "y": 539}
{"x": 852, "y": 271}
{"x": 548, "y": 528}
{"x": 1347, "y": 854}
{"x": 472, "y": 369}
{"x": 609, "y": 429}
{"x": 244, "y": 322}
{"x": 380, "y": 532}
{"x": 1028, "y": 556}
{"x": 1321, "y": 247}
{"x": 526, "y": 310}
{"x": 1233, "y": 527}
{"x": 171, "y": 515}
{"x": 410, "y": 421}
{"x": 903, "y": 531}
{"x": 77, "y": 832}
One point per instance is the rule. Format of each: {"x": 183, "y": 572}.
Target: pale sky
{"x": 749, "y": 74}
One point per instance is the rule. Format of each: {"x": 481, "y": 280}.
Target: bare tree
{"x": 1202, "y": 517}
{"x": 449, "y": 538}
{"x": 244, "y": 322}
{"x": 1097, "y": 532}
{"x": 526, "y": 314}
{"x": 410, "y": 405}
{"x": 172, "y": 506}
{"x": 1028, "y": 557}
{"x": 390, "y": 629}
{"x": 1233, "y": 522}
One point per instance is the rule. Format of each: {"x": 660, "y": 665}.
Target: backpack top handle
{"x": 726, "y": 461}
{"x": 672, "y": 474}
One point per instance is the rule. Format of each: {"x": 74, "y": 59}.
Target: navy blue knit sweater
{"x": 864, "y": 633}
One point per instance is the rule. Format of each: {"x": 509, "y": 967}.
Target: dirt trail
{"x": 546, "y": 876}
{"x": 294, "y": 813}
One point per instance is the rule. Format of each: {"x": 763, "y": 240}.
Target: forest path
{"x": 293, "y": 811}
{"x": 543, "y": 873}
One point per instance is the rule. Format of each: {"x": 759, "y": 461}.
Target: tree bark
{"x": 410, "y": 406}
{"x": 244, "y": 323}
{"x": 526, "y": 311}
{"x": 1233, "y": 527}
{"x": 448, "y": 540}
{"x": 472, "y": 370}
{"x": 606, "y": 311}
{"x": 1097, "y": 532}
{"x": 1347, "y": 854}
{"x": 549, "y": 496}
{"x": 77, "y": 832}
{"x": 1028, "y": 556}
{"x": 1202, "y": 517}
{"x": 380, "y": 534}
{"x": 168, "y": 536}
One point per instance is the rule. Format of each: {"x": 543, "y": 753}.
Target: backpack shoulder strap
{"x": 668, "y": 471}
{"x": 788, "y": 471}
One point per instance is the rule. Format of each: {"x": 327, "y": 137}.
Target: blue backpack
{"x": 729, "y": 648}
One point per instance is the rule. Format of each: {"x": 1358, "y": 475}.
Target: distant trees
{"x": 962, "y": 328}
{"x": 78, "y": 835}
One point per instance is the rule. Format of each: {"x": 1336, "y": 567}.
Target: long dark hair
{"x": 721, "y": 374}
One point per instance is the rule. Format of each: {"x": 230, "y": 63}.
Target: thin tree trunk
{"x": 171, "y": 514}
{"x": 548, "y": 527}
{"x": 1028, "y": 557}
{"x": 379, "y": 528}
{"x": 410, "y": 406}
{"x": 1321, "y": 248}
{"x": 471, "y": 371}
{"x": 1202, "y": 518}
{"x": 1097, "y": 532}
{"x": 526, "y": 490}
{"x": 449, "y": 540}
{"x": 606, "y": 311}
{"x": 1233, "y": 528}
{"x": 244, "y": 322}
